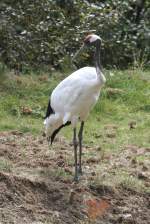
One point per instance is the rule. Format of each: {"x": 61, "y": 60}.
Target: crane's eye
{"x": 87, "y": 40}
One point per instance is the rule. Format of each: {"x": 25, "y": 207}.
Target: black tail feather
{"x": 49, "y": 110}
{"x": 57, "y": 130}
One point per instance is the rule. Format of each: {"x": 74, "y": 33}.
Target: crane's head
{"x": 90, "y": 40}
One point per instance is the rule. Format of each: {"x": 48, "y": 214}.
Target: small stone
{"x": 127, "y": 216}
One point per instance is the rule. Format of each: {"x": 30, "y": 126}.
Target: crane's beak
{"x": 78, "y": 52}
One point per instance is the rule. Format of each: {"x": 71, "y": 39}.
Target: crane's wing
{"x": 66, "y": 94}
{"x": 71, "y": 93}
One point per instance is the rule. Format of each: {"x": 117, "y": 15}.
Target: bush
{"x": 45, "y": 32}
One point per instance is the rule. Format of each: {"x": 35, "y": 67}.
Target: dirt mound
{"x": 25, "y": 201}
{"x": 36, "y": 187}
{"x": 127, "y": 206}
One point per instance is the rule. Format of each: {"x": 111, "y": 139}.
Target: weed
{"x": 5, "y": 165}
{"x": 124, "y": 98}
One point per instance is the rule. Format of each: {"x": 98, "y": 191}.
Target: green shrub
{"x": 35, "y": 34}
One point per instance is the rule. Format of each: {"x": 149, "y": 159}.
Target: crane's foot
{"x": 80, "y": 171}
{"x": 76, "y": 179}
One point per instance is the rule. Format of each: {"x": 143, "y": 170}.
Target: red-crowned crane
{"x": 73, "y": 98}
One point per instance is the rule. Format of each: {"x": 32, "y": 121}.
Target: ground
{"x": 36, "y": 183}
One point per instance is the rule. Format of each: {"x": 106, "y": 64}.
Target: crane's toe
{"x": 80, "y": 171}
{"x": 76, "y": 178}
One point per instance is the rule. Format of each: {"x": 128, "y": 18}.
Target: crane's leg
{"x": 80, "y": 145}
{"x": 75, "y": 143}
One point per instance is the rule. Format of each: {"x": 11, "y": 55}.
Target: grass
{"x": 109, "y": 122}
{"x": 5, "y": 165}
{"x": 121, "y": 178}
{"x": 119, "y": 109}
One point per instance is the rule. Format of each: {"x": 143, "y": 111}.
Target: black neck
{"x": 97, "y": 56}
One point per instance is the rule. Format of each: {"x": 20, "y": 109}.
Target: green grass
{"x": 119, "y": 109}
{"x": 111, "y": 116}
{"x": 5, "y": 165}
{"x": 121, "y": 178}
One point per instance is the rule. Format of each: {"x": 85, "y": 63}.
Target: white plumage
{"x": 74, "y": 97}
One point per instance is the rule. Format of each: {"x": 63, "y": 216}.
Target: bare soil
{"x": 36, "y": 184}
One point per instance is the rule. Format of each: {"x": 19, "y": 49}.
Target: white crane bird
{"x": 73, "y": 98}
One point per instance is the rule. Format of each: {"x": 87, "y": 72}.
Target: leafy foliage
{"x": 46, "y": 33}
